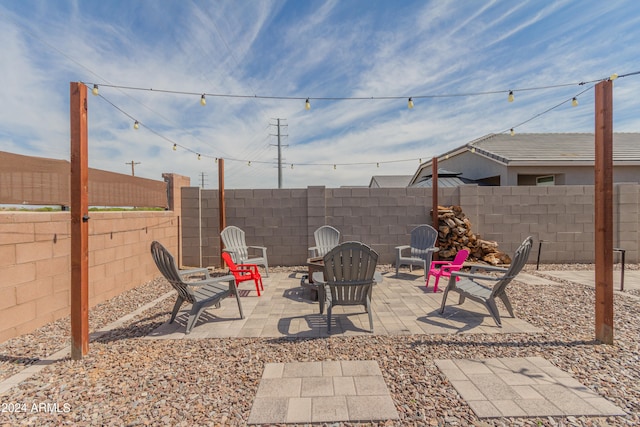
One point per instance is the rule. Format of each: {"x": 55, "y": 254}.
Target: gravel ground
{"x": 127, "y": 381}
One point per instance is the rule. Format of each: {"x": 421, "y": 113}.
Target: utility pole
{"x": 202, "y": 179}
{"x": 279, "y": 135}
{"x": 133, "y": 165}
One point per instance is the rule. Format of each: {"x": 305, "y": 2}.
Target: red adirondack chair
{"x": 243, "y": 272}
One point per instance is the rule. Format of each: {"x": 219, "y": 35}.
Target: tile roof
{"x": 540, "y": 148}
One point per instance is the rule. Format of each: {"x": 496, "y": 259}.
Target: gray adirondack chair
{"x": 326, "y": 238}
{"x": 234, "y": 243}
{"x": 421, "y": 249}
{"x": 468, "y": 287}
{"x": 348, "y": 278}
{"x": 200, "y": 294}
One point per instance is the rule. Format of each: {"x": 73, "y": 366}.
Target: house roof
{"x": 389, "y": 181}
{"x": 544, "y": 148}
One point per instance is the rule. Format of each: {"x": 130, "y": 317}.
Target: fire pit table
{"x": 315, "y": 265}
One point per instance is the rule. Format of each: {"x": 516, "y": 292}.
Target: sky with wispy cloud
{"x": 358, "y": 62}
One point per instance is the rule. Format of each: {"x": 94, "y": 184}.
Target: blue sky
{"x": 267, "y": 57}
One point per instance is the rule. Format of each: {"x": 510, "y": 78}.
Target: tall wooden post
{"x": 434, "y": 198}
{"x": 79, "y": 222}
{"x": 604, "y": 210}
{"x": 221, "y": 206}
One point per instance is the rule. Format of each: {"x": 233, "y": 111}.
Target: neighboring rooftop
{"x": 389, "y": 181}
{"x": 540, "y": 148}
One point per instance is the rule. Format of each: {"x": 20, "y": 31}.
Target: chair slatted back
{"x": 326, "y": 238}
{"x": 348, "y": 270}
{"x": 169, "y": 269}
{"x": 517, "y": 264}
{"x": 423, "y": 237}
{"x": 234, "y": 241}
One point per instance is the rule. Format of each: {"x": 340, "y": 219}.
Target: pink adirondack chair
{"x": 446, "y": 267}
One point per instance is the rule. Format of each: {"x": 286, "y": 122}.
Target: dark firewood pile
{"x": 454, "y": 234}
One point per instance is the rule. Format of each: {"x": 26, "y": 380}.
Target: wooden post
{"x": 604, "y": 210}
{"x": 434, "y": 199}
{"x": 79, "y": 222}
{"x": 221, "y": 206}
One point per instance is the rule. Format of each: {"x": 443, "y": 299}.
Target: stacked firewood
{"x": 454, "y": 234}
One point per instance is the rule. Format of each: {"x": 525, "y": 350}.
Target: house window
{"x": 546, "y": 180}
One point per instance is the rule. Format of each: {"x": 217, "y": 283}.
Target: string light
{"x": 512, "y": 132}
{"x": 378, "y": 164}
{"x": 199, "y": 156}
{"x": 574, "y": 102}
{"x": 203, "y": 101}
{"x": 216, "y": 160}
{"x": 249, "y": 163}
{"x": 410, "y": 103}
{"x": 291, "y": 165}
{"x": 308, "y": 107}
{"x": 136, "y": 125}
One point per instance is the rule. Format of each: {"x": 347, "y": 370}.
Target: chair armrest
{"x": 313, "y": 252}
{"x": 474, "y": 276}
{"x": 197, "y": 283}
{"x": 399, "y": 249}
{"x": 450, "y": 268}
{"x": 433, "y": 249}
{"x": 262, "y": 248}
{"x": 476, "y": 267}
{"x": 440, "y": 263}
{"x": 192, "y": 271}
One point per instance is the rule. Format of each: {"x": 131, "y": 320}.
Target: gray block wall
{"x": 284, "y": 220}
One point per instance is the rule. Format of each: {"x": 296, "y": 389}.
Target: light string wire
{"x": 592, "y": 84}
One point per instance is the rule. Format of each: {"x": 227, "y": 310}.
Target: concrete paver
{"x": 522, "y": 387}
{"x": 331, "y": 391}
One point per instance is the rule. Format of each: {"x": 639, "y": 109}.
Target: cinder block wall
{"x": 284, "y": 220}
{"x": 35, "y": 262}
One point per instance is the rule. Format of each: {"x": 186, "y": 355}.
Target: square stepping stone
{"x": 522, "y": 387}
{"x": 317, "y": 392}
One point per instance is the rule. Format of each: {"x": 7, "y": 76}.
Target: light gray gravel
{"x": 128, "y": 381}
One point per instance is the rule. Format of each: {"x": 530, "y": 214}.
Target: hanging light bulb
{"x": 291, "y": 165}
{"x": 410, "y": 103}
{"x": 249, "y": 163}
{"x": 199, "y": 157}
{"x": 307, "y": 105}
{"x": 136, "y": 125}
{"x": 473, "y": 149}
{"x": 613, "y": 76}
{"x": 95, "y": 90}
{"x": 510, "y": 98}
{"x": 334, "y": 167}
{"x": 574, "y": 102}
{"x": 419, "y": 160}
{"x": 203, "y": 101}
{"x": 512, "y": 132}
{"x": 446, "y": 157}
{"x": 175, "y": 147}
{"x": 216, "y": 160}
{"x": 378, "y": 165}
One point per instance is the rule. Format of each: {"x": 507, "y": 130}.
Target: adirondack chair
{"x": 243, "y": 272}
{"x": 200, "y": 294}
{"x": 234, "y": 243}
{"x": 348, "y": 278}
{"x": 421, "y": 249}
{"x": 326, "y": 238}
{"x": 468, "y": 287}
{"x": 444, "y": 268}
